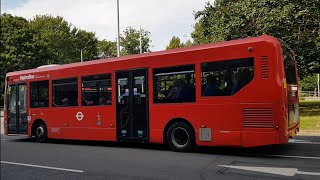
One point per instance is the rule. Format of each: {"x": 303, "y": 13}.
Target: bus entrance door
{"x": 17, "y": 109}
{"x": 132, "y": 105}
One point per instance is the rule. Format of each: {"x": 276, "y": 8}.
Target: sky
{"x": 162, "y": 18}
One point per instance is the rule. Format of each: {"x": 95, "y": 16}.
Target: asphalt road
{"x": 23, "y": 158}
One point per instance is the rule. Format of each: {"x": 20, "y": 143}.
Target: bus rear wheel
{"x": 41, "y": 134}
{"x": 180, "y": 137}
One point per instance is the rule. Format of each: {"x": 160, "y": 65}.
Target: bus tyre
{"x": 41, "y": 134}
{"x": 180, "y": 137}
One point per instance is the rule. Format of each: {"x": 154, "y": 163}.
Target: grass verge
{"x": 310, "y": 115}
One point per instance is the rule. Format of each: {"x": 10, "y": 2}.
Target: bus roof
{"x": 145, "y": 55}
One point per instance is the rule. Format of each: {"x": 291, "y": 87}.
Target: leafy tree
{"x": 309, "y": 83}
{"x": 175, "y": 42}
{"x": 18, "y": 49}
{"x": 294, "y": 21}
{"x": 188, "y": 43}
{"x": 107, "y": 49}
{"x": 43, "y": 40}
{"x": 62, "y": 43}
{"x": 130, "y": 41}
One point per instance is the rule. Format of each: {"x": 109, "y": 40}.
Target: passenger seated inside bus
{"x": 65, "y": 102}
{"x": 211, "y": 88}
{"x": 174, "y": 90}
{"x": 102, "y": 101}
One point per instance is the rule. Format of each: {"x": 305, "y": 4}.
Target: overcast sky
{"x": 163, "y": 18}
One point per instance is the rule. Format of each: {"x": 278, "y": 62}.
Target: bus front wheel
{"x": 180, "y": 137}
{"x": 41, "y": 134}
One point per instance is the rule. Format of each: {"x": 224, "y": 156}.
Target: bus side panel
{"x": 62, "y": 122}
{"x": 258, "y": 138}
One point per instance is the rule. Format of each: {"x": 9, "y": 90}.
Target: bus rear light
{"x": 277, "y": 127}
{"x": 203, "y": 126}
{"x": 285, "y": 83}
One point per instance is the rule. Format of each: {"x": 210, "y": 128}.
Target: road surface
{"x": 23, "y": 158}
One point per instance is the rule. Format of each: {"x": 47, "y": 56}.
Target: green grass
{"x": 310, "y": 115}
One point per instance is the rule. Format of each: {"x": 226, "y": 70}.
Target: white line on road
{"x": 287, "y": 156}
{"x": 297, "y": 141}
{"x": 3, "y": 139}
{"x": 273, "y": 170}
{"x": 44, "y": 167}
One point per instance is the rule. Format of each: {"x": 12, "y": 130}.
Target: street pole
{"x": 140, "y": 40}
{"x": 81, "y": 53}
{"x": 318, "y": 85}
{"x": 81, "y": 56}
{"x": 118, "y": 39}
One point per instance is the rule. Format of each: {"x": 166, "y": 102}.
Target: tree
{"x": 188, "y": 43}
{"x": 294, "y": 21}
{"x": 107, "y": 48}
{"x": 309, "y": 83}
{"x": 62, "y": 43}
{"x": 175, "y": 42}
{"x": 43, "y": 40}
{"x": 18, "y": 49}
{"x": 130, "y": 41}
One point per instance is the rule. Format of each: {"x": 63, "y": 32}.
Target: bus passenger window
{"x": 65, "y": 92}
{"x": 174, "y": 84}
{"x": 96, "y": 90}
{"x": 225, "y": 78}
{"x": 39, "y": 94}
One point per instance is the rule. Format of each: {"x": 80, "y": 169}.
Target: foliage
{"x": 18, "y": 48}
{"x": 107, "y": 49}
{"x": 175, "y": 42}
{"x": 309, "y": 83}
{"x": 130, "y": 41}
{"x": 62, "y": 43}
{"x": 294, "y": 21}
{"x": 44, "y": 40}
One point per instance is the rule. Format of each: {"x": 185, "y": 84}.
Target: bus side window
{"x": 174, "y": 84}
{"x": 65, "y": 92}
{"x": 225, "y": 78}
{"x": 96, "y": 90}
{"x": 39, "y": 94}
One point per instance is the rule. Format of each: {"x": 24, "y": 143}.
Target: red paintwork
{"x": 222, "y": 114}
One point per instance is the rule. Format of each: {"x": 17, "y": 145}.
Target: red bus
{"x": 235, "y": 93}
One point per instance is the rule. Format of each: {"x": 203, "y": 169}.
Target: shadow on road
{"x": 235, "y": 151}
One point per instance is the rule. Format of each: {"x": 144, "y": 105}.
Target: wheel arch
{"x": 175, "y": 120}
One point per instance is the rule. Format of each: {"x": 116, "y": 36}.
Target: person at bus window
{"x": 65, "y": 102}
{"x": 211, "y": 88}
{"x": 102, "y": 101}
{"x": 174, "y": 90}
{"x": 182, "y": 90}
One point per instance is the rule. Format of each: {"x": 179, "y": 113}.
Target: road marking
{"x": 297, "y": 141}
{"x": 273, "y": 170}
{"x": 3, "y": 139}
{"x": 44, "y": 167}
{"x": 287, "y": 156}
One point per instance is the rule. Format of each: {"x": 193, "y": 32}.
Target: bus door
{"x": 17, "y": 109}
{"x": 132, "y": 105}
